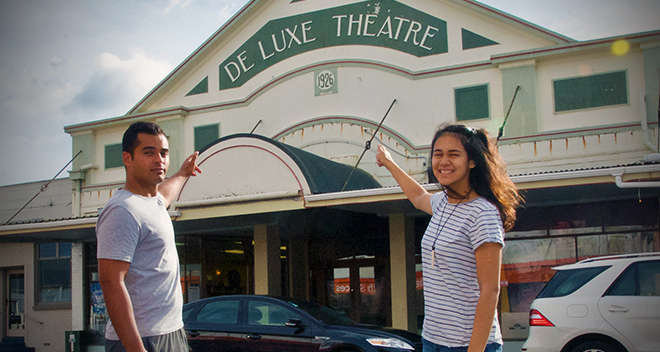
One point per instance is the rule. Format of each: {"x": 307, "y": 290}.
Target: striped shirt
{"x": 451, "y": 290}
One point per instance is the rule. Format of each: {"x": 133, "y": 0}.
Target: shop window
{"x": 205, "y": 135}
{"x": 575, "y": 219}
{"x": 615, "y": 243}
{"x": 54, "y": 273}
{"x": 591, "y": 91}
{"x": 472, "y": 103}
{"x": 631, "y": 215}
{"x": 113, "y": 156}
{"x": 545, "y": 237}
{"x": 98, "y": 317}
{"x": 213, "y": 266}
{"x": 530, "y": 222}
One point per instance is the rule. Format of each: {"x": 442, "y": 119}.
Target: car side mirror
{"x": 295, "y": 323}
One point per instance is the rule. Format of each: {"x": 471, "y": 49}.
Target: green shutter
{"x": 204, "y": 135}
{"x": 591, "y": 91}
{"x": 113, "y": 156}
{"x": 472, "y": 103}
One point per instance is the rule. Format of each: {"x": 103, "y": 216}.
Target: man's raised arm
{"x": 171, "y": 186}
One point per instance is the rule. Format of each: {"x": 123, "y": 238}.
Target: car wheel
{"x": 595, "y": 346}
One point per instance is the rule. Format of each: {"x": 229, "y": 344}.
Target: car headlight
{"x": 389, "y": 342}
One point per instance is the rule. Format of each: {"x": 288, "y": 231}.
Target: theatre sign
{"x": 382, "y": 23}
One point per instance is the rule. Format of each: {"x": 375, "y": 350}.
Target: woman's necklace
{"x": 442, "y": 213}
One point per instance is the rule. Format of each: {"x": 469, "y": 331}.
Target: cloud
{"x": 229, "y": 10}
{"x": 118, "y": 84}
{"x": 587, "y": 19}
{"x": 608, "y": 19}
{"x": 175, "y": 3}
{"x": 57, "y": 62}
{"x": 36, "y": 90}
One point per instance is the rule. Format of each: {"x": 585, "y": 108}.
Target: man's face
{"x": 150, "y": 160}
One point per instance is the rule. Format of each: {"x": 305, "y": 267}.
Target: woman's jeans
{"x": 431, "y": 347}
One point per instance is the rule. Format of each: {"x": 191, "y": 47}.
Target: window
{"x": 113, "y": 156}
{"x": 220, "y": 312}
{"x": 640, "y": 279}
{"x": 54, "y": 273}
{"x": 265, "y": 313}
{"x": 566, "y": 282}
{"x": 472, "y": 103}
{"x": 204, "y": 135}
{"x": 591, "y": 91}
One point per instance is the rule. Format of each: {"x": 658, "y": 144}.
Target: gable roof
{"x": 253, "y": 7}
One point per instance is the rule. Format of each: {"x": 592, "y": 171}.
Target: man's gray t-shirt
{"x": 138, "y": 230}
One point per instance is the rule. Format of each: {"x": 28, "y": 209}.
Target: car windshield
{"x": 325, "y": 314}
{"x": 568, "y": 281}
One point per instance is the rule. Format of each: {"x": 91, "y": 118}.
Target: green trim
{"x": 201, "y": 87}
{"x": 604, "y": 89}
{"x": 113, "y": 156}
{"x": 473, "y": 40}
{"x": 472, "y": 103}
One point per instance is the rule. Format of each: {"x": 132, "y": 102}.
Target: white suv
{"x": 608, "y": 304}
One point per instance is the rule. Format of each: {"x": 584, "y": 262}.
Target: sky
{"x": 67, "y": 62}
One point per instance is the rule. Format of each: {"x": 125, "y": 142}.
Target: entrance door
{"x": 15, "y": 303}
{"x": 359, "y": 289}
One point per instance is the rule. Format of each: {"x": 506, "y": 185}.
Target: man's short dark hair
{"x": 130, "y": 139}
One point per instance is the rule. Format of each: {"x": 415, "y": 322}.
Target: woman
{"x": 462, "y": 246}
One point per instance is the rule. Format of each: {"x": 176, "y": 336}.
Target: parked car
{"x": 261, "y": 323}
{"x": 607, "y": 304}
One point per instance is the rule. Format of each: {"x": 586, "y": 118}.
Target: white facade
{"x": 291, "y": 48}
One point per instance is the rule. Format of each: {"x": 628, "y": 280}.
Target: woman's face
{"x": 450, "y": 163}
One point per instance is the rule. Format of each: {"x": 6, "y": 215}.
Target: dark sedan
{"x": 261, "y": 323}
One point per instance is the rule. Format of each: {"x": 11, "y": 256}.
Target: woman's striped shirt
{"x": 451, "y": 290}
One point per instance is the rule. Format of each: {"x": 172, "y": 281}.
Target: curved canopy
{"x": 245, "y": 165}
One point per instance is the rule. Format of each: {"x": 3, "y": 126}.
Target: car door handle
{"x": 193, "y": 333}
{"x": 254, "y": 337}
{"x": 617, "y": 309}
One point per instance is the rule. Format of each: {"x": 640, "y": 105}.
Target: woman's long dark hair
{"x": 488, "y": 178}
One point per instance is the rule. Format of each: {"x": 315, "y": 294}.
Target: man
{"x": 137, "y": 256}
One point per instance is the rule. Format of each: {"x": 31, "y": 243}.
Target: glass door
{"x": 15, "y": 303}
{"x": 358, "y": 288}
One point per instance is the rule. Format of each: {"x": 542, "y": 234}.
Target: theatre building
{"x": 287, "y": 103}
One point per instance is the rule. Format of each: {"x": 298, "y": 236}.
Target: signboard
{"x": 382, "y": 23}
{"x": 325, "y": 82}
{"x": 367, "y": 286}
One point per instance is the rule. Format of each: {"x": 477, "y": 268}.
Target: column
{"x": 402, "y": 268}
{"x": 267, "y": 270}
{"x": 78, "y": 303}
{"x": 298, "y": 269}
